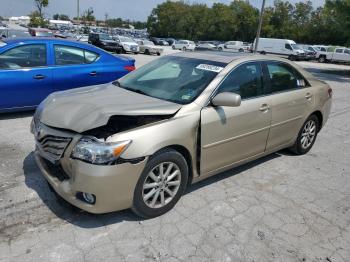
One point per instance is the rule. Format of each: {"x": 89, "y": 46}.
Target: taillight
{"x": 330, "y": 92}
{"x": 129, "y": 68}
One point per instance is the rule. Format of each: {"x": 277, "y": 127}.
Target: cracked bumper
{"x": 113, "y": 186}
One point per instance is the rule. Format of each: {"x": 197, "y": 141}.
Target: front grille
{"x": 55, "y": 170}
{"x": 52, "y": 147}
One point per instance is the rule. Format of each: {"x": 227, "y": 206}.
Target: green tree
{"x": 36, "y": 20}
{"x": 40, "y": 5}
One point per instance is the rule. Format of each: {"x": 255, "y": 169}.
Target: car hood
{"x": 86, "y": 108}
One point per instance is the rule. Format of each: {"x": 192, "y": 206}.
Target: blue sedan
{"x": 33, "y": 68}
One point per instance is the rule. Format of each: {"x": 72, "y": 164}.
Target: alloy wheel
{"x": 161, "y": 185}
{"x": 308, "y": 134}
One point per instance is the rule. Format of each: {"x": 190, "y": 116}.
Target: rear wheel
{"x": 173, "y": 47}
{"x": 161, "y": 184}
{"x": 307, "y": 136}
{"x": 241, "y": 50}
{"x": 220, "y": 48}
{"x": 147, "y": 52}
{"x": 184, "y": 48}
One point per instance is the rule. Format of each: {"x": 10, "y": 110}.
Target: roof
{"x": 218, "y": 56}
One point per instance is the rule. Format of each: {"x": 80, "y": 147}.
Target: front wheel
{"x": 184, "y": 48}
{"x": 220, "y": 48}
{"x": 322, "y": 59}
{"x": 161, "y": 184}
{"x": 307, "y": 136}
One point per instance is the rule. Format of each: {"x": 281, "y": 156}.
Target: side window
{"x": 68, "y": 55}
{"x": 323, "y": 49}
{"x": 282, "y": 77}
{"x": 347, "y": 51}
{"x": 90, "y": 57}
{"x": 339, "y": 50}
{"x": 25, "y": 56}
{"x": 245, "y": 80}
{"x": 288, "y": 46}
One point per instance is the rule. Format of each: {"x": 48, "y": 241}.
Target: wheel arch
{"x": 319, "y": 116}
{"x": 186, "y": 154}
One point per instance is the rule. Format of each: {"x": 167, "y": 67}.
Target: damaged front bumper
{"x": 111, "y": 185}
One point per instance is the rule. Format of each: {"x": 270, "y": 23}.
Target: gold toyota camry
{"x": 141, "y": 141}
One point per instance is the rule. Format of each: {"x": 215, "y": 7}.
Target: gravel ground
{"x": 279, "y": 208}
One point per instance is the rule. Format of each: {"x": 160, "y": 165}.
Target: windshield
{"x": 105, "y": 37}
{"x": 125, "y": 39}
{"x": 295, "y": 46}
{"x": 176, "y": 79}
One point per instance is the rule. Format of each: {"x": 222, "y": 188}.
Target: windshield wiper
{"x": 137, "y": 91}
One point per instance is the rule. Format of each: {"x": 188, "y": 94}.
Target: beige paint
{"x": 230, "y": 136}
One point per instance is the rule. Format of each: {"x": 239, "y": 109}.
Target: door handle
{"x": 93, "y": 73}
{"x": 38, "y": 77}
{"x": 264, "y": 108}
{"x": 308, "y": 95}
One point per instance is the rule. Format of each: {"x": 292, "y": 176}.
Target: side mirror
{"x": 226, "y": 99}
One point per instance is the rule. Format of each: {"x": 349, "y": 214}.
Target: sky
{"x": 126, "y": 9}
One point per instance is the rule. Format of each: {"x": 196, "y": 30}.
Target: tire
{"x": 184, "y": 48}
{"x": 157, "y": 205}
{"x": 158, "y": 54}
{"x": 241, "y": 50}
{"x": 301, "y": 146}
{"x": 123, "y": 51}
{"x": 147, "y": 52}
{"x": 173, "y": 47}
{"x": 291, "y": 58}
{"x": 322, "y": 59}
{"x": 220, "y": 48}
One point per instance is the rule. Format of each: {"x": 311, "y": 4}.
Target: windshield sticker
{"x": 212, "y": 68}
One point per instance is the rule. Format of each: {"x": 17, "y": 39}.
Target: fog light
{"x": 89, "y": 198}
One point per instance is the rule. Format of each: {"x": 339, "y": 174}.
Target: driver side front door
{"x": 230, "y": 135}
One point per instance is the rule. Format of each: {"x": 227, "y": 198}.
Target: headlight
{"x": 94, "y": 151}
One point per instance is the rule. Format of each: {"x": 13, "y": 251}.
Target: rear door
{"x": 291, "y": 102}
{"x": 25, "y": 79}
{"x": 76, "y": 67}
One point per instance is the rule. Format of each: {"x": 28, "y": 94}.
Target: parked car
{"x": 310, "y": 52}
{"x": 128, "y": 44}
{"x": 148, "y": 48}
{"x": 340, "y": 54}
{"x": 282, "y": 47}
{"x": 232, "y": 46}
{"x": 140, "y": 141}
{"x": 184, "y": 45}
{"x": 40, "y": 32}
{"x": 205, "y": 46}
{"x": 170, "y": 41}
{"x": 321, "y": 54}
{"x": 33, "y": 68}
{"x": 83, "y": 38}
{"x": 105, "y": 42}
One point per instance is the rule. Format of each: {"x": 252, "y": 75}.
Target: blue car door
{"x": 25, "y": 79}
{"x": 75, "y": 67}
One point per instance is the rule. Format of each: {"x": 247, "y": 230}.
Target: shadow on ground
{"x": 14, "y": 115}
{"x": 62, "y": 209}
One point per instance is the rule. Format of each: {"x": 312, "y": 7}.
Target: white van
{"x": 282, "y": 47}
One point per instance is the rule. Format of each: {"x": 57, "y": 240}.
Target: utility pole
{"x": 78, "y": 10}
{"x": 259, "y": 27}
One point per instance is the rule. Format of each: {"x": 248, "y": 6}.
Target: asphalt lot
{"x": 279, "y": 208}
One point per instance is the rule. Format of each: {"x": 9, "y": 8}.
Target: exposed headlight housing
{"x": 94, "y": 151}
